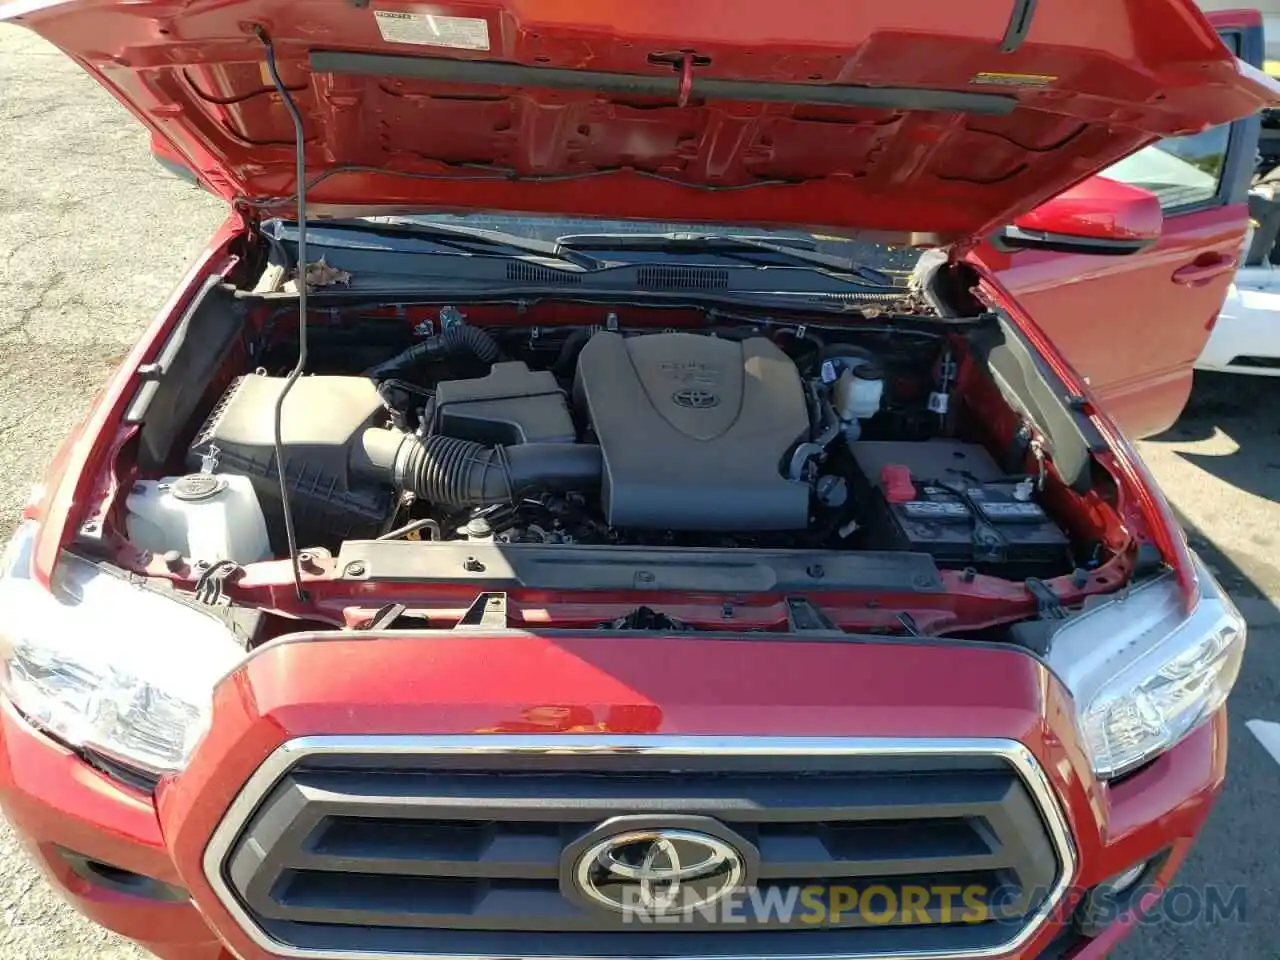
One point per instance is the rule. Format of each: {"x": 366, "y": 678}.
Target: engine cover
{"x": 694, "y": 430}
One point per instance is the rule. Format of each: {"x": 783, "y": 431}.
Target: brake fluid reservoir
{"x": 857, "y": 393}
{"x": 204, "y": 516}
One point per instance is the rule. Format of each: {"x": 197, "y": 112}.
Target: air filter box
{"x": 322, "y": 419}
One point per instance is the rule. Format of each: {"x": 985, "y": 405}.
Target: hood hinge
{"x": 250, "y": 213}
{"x": 958, "y": 250}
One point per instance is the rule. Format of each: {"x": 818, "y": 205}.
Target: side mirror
{"x": 1098, "y": 216}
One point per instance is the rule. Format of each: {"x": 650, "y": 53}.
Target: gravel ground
{"x": 93, "y": 236}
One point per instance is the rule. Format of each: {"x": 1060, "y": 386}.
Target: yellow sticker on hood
{"x": 993, "y": 78}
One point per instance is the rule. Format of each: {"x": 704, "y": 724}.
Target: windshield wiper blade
{"x": 793, "y": 250}
{"x": 463, "y": 236}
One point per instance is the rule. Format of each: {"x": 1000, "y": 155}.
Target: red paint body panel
{"x": 1120, "y": 74}
{"x": 1134, "y": 325}
{"x": 1083, "y": 89}
{"x": 51, "y": 797}
{"x": 520, "y": 683}
{"x": 1126, "y": 323}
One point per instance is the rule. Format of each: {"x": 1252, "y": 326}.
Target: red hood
{"x": 913, "y": 116}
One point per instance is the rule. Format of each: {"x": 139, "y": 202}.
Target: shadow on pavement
{"x": 1234, "y": 411}
{"x": 1236, "y": 849}
{"x": 1234, "y": 424}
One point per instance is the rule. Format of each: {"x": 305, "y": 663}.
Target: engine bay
{"x": 732, "y": 434}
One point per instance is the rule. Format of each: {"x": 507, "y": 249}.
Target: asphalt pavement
{"x": 93, "y": 235}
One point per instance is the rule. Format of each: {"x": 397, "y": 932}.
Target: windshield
{"x": 550, "y": 229}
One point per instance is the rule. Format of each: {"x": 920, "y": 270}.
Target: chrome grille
{"x": 412, "y": 847}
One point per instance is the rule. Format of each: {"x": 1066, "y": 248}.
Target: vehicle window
{"x": 1181, "y": 171}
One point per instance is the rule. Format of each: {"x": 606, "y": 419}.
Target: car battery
{"x": 951, "y": 501}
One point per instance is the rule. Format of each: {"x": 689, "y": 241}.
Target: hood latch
{"x": 683, "y": 62}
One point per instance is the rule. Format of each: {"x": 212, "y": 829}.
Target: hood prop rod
{"x": 299, "y": 137}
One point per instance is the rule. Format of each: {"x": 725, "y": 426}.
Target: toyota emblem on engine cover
{"x": 695, "y": 399}
{"x": 658, "y": 871}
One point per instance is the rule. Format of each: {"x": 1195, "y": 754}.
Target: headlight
{"x": 1144, "y": 673}
{"x": 104, "y": 664}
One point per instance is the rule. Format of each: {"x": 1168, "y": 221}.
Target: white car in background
{"x": 1246, "y": 337}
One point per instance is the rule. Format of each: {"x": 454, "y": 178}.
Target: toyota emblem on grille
{"x": 659, "y": 871}
{"x": 695, "y": 399}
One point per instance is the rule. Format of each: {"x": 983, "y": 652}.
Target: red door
{"x": 1134, "y": 325}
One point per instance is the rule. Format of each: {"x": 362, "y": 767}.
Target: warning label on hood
{"x": 428, "y": 30}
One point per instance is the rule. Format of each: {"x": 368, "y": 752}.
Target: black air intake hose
{"x": 462, "y": 473}
{"x": 455, "y": 340}
{"x": 567, "y": 360}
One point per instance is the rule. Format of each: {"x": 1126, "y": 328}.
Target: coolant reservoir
{"x": 204, "y": 516}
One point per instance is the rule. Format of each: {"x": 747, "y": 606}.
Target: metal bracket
{"x": 424, "y": 327}
{"x": 210, "y": 584}
{"x": 1038, "y": 451}
{"x": 451, "y": 317}
{"x": 683, "y": 62}
{"x": 385, "y": 616}
{"x": 487, "y": 612}
{"x": 804, "y": 617}
{"x": 1050, "y": 607}
{"x": 909, "y": 624}
{"x": 209, "y": 459}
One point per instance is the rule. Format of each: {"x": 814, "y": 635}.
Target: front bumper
{"x": 512, "y": 685}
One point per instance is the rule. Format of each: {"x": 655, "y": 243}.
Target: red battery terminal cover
{"x": 896, "y": 482}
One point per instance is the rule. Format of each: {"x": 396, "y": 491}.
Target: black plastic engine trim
{"x": 173, "y": 385}
{"x": 588, "y": 567}
{"x": 1034, "y": 390}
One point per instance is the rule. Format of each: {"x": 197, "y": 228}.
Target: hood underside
{"x": 924, "y": 118}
